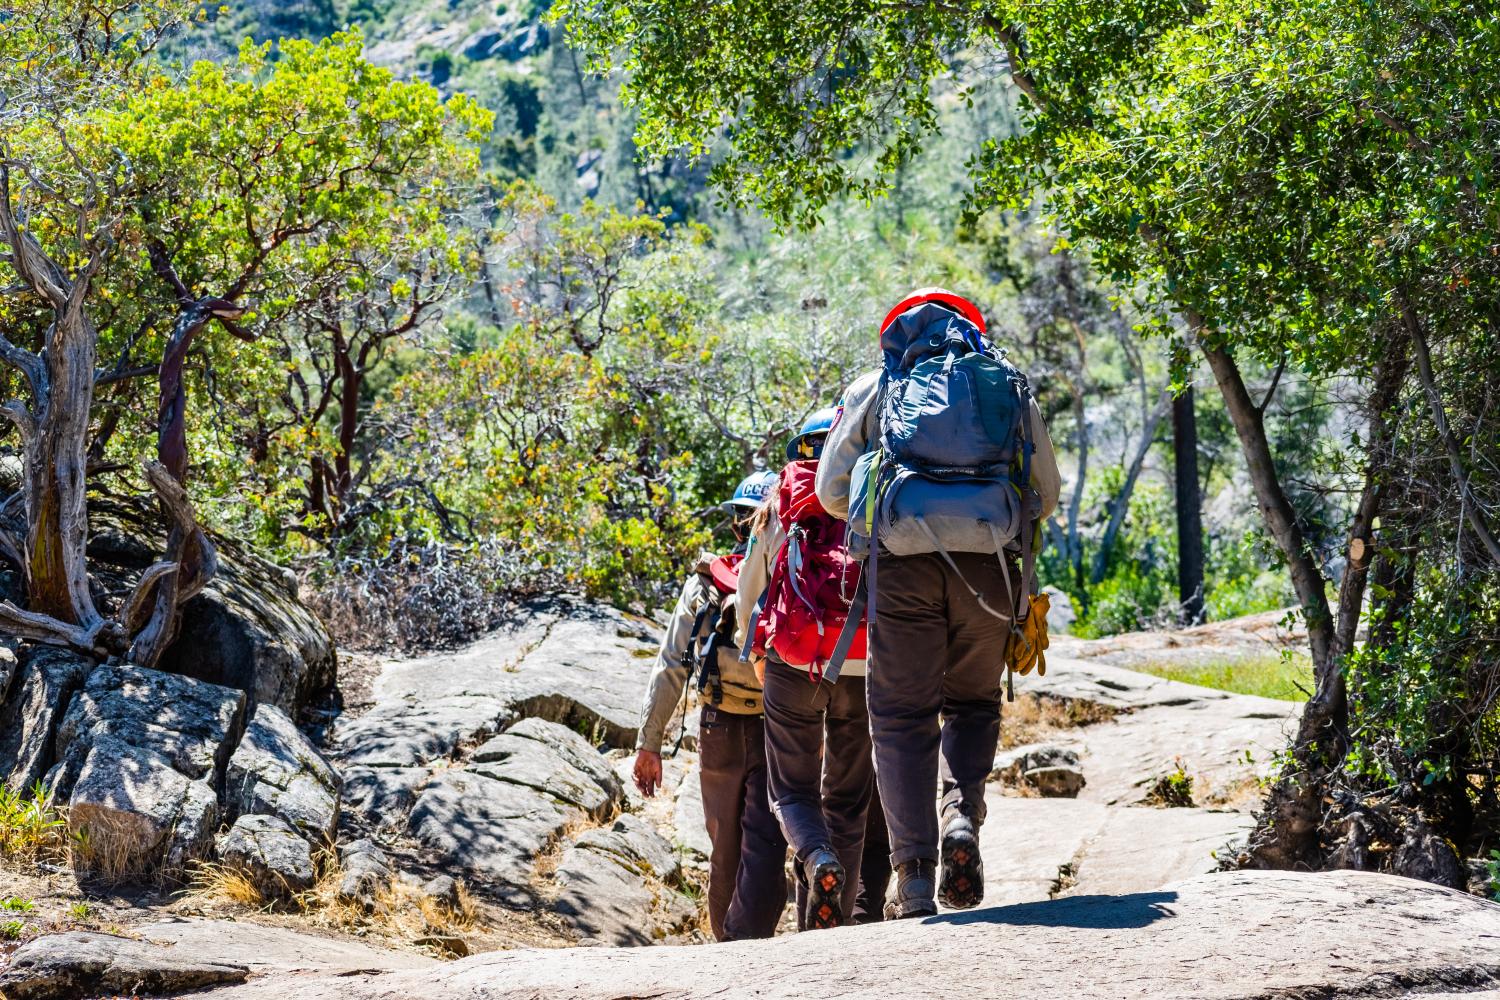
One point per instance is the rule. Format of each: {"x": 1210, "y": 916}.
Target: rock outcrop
{"x": 141, "y": 754}
{"x": 83, "y": 964}
{"x": 245, "y": 630}
{"x": 271, "y": 854}
{"x": 44, "y": 680}
{"x": 618, "y": 885}
{"x": 367, "y": 870}
{"x": 277, "y": 771}
{"x": 1217, "y": 937}
{"x": 520, "y": 791}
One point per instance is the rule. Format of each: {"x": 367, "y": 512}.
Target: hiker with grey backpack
{"x": 943, "y": 468}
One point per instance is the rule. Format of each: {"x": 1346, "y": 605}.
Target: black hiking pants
{"x": 821, "y": 775}
{"x": 747, "y": 870}
{"x": 935, "y": 656}
{"x": 874, "y": 865}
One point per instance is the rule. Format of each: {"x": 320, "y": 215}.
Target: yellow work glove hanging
{"x": 1028, "y": 639}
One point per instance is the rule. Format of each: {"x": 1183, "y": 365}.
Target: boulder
{"x": 189, "y": 723}
{"x": 137, "y": 817}
{"x": 192, "y": 836}
{"x": 277, "y": 771}
{"x": 1061, "y": 782}
{"x": 45, "y": 680}
{"x": 9, "y": 667}
{"x": 551, "y": 759}
{"x": 487, "y": 826}
{"x": 85, "y": 964}
{"x": 442, "y": 891}
{"x": 367, "y": 870}
{"x": 1011, "y": 765}
{"x": 637, "y": 846}
{"x": 1060, "y": 613}
{"x": 139, "y": 756}
{"x": 524, "y": 41}
{"x": 482, "y": 43}
{"x": 246, "y": 630}
{"x": 270, "y": 853}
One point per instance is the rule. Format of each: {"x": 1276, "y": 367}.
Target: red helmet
{"x": 952, "y": 300}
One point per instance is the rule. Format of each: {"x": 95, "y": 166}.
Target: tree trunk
{"x": 1075, "y": 502}
{"x": 1189, "y": 507}
{"x": 350, "y": 377}
{"x": 1281, "y": 519}
{"x": 1121, "y": 505}
{"x": 57, "y": 459}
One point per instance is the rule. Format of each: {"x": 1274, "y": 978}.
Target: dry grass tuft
{"x": 399, "y": 910}
{"x": 1033, "y": 718}
{"x": 216, "y": 883}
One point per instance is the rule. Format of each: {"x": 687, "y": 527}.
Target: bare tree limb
{"x": 1473, "y": 512}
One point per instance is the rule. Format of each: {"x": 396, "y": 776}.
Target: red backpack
{"x": 813, "y": 580}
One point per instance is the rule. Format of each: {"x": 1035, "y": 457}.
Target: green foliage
{"x": 1426, "y": 691}
{"x": 11, "y": 930}
{"x": 1286, "y": 676}
{"x": 31, "y": 826}
{"x": 1173, "y": 790}
{"x": 15, "y": 904}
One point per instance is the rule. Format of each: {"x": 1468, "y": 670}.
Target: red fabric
{"x": 966, "y": 309}
{"x": 725, "y": 571}
{"x": 805, "y": 636}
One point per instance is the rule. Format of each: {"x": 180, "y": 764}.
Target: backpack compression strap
{"x": 1029, "y": 532}
{"x": 696, "y": 656}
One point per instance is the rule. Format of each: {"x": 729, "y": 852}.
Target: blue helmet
{"x": 809, "y": 440}
{"x": 753, "y": 490}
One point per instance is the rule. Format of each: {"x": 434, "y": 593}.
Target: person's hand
{"x": 648, "y": 771}
{"x": 759, "y": 663}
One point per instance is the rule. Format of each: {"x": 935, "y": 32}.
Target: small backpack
{"x": 713, "y": 628}
{"x": 813, "y": 581}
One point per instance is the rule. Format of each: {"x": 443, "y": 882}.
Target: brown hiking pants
{"x": 935, "y": 653}
{"x": 819, "y": 769}
{"x": 747, "y": 870}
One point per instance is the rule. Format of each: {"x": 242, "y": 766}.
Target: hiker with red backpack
{"x": 794, "y": 590}
{"x": 941, "y": 464}
{"x": 746, "y": 873}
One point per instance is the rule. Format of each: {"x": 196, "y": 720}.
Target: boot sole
{"x": 825, "y": 897}
{"x": 961, "y": 883}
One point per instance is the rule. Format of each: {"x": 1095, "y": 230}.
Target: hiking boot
{"x": 962, "y": 884}
{"x": 912, "y": 895}
{"x": 825, "y": 889}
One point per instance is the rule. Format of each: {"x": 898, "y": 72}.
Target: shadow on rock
{"x": 1138, "y": 909}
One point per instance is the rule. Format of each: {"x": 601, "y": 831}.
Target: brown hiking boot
{"x": 962, "y": 884}
{"x": 912, "y": 893}
{"x": 825, "y": 889}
